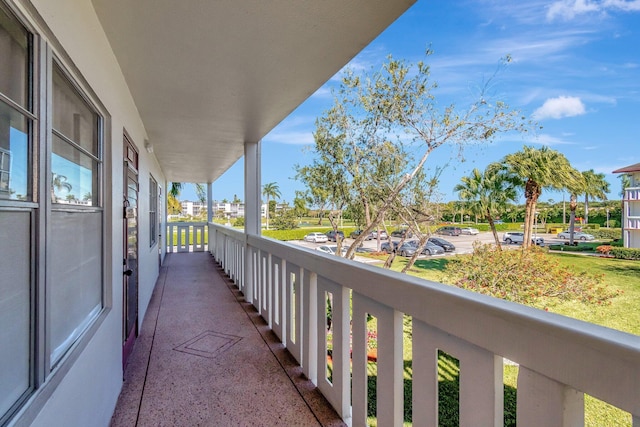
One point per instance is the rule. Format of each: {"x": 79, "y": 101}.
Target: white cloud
{"x": 290, "y": 137}
{"x": 557, "y": 108}
{"x": 569, "y": 9}
{"x": 550, "y": 140}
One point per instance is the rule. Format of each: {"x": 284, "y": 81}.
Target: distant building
{"x": 631, "y": 207}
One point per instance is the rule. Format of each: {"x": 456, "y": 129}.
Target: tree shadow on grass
{"x": 448, "y": 395}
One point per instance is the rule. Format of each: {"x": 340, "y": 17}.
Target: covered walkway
{"x": 204, "y": 357}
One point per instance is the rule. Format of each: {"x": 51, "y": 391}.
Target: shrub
{"x": 239, "y": 222}
{"x": 607, "y": 233}
{"x": 525, "y": 276}
{"x": 626, "y": 253}
{"x": 604, "y": 249}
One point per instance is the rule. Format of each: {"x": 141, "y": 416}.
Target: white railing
{"x": 560, "y": 358}
{"x": 186, "y": 237}
{"x": 633, "y": 223}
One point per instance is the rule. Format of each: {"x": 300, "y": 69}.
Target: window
{"x": 68, "y": 257}
{"x": 153, "y": 211}
{"x": 16, "y": 219}
{"x": 16, "y": 115}
{"x": 75, "y": 287}
{"x": 75, "y": 152}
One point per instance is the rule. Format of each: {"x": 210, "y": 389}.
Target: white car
{"x": 577, "y": 235}
{"x": 316, "y": 238}
{"x": 518, "y": 237}
{"x": 331, "y": 250}
{"x": 469, "y": 230}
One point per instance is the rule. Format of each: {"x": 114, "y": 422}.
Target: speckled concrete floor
{"x": 204, "y": 357}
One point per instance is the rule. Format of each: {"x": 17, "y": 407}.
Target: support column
{"x": 252, "y": 189}
{"x": 209, "y": 202}
{"x": 252, "y": 211}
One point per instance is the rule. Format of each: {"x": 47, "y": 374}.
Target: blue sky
{"x": 575, "y": 70}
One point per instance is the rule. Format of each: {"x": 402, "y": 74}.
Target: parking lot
{"x": 463, "y": 243}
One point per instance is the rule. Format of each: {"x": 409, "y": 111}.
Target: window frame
{"x": 153, "y": 211}
{"x": 44, "y": 50}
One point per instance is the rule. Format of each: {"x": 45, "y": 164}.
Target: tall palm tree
{"x": 596, "y": 188}
{"x": 489, "y": 192}
{"x": 270, "y": 190}
{"x": 58, "y": 183}
{"x": 176, "y": 188}
{"x": 537, "y": 169}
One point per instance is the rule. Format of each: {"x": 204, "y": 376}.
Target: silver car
{"x": 518, "y": 237}
{"x": 577, "y": 235}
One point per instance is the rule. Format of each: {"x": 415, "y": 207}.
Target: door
{"x": 130, "y": 251}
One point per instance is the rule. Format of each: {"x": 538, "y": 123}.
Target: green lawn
{"x": 621, "y": 314}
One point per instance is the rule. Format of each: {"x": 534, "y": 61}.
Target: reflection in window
{"x": 153, "y": 215}
{"x": 75, "y": 152}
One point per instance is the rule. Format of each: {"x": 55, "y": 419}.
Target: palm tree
{"x": 537, "y": 169}
{"x": 176, "y": 188}
{"x": 489, "y": 193}
{"x": 596, "y": 188}
{"x": 270, "y": 190}
{"x": 58, "y": 183}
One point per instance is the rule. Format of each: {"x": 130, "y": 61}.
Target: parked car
{"x": 469, "y": 230}
{"x": 401, "y": 233}
{"x": 409, "y": 247}
{"x": 331, "y": 249}
{"x": 316, "y": 238}
{"x": 357, "y": 233}
{"x": 432, "y": 249}
{"x": 449, "y": 231}
{"x": 577, "y": 235}
{"x": 383, "y": 234}
{"x": 518, "y": 237}
{"x": 444, "y": 244}
{"x": 331, "y": 235}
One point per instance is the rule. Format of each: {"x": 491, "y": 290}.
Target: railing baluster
{"x": 309, "y": 341}
{"x": 390, "y": 381}
{"x": 545, "y": 402}
{"x": 337, "y": 390}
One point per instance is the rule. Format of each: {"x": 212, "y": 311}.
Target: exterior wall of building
{"x": 632, "y": 213}
{"x": 83, "y": 387}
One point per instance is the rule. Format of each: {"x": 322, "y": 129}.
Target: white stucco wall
{"x": 88, "y": 391}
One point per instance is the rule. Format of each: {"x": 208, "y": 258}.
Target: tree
{"x": 384, "y": 125}
{"x": 236, "y": 199}
{"x": 537, "y": 169}
{"x": 488, "y": 192}
{"x": 596, "y": 188}
{"x": 300, "y": 204}
{"x": 59, "y": 183}
{"x": 173, "y": 205}
{"x": 176, "y": 188}
{"x": 270, "y": 190}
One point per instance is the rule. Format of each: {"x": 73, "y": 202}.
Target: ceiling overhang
{"x": 208, "y": 75}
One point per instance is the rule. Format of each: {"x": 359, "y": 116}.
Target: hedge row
{"x": 626, "y": 253}
{"x": 607, "y": 233}
{"x": 299, "y": 233}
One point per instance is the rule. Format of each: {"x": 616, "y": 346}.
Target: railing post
{"x": 545, "y": 402}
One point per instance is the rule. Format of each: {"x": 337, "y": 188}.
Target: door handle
{"x": 128, "y": 272}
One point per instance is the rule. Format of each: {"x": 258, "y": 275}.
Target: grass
{"x": 621, "y": 314}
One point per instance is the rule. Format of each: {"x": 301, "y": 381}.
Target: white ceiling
{"x": 207, "y": 75}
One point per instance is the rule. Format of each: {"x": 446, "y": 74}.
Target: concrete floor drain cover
{"x": 208, "y": 344}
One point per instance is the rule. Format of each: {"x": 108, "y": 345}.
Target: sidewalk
{"x": 206, "y": 358}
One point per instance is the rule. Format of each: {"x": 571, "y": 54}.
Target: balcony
{"x": 560, "y": 359}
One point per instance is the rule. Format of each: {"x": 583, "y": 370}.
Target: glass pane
{"x": 76, "y": 277}
{"x": 14, "y": 154}
{"x": 15, "y": 291}
{"x": 72, "y": 116}
{"x": 74, "y": 175}
{"x": 14, "y": 66}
